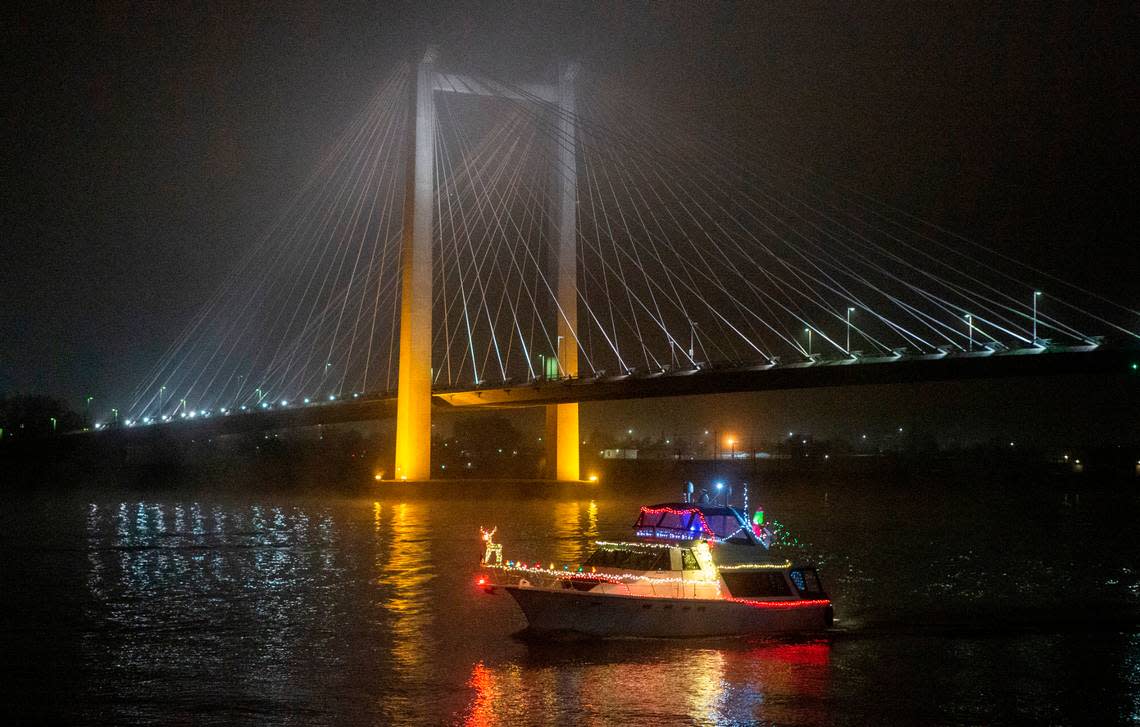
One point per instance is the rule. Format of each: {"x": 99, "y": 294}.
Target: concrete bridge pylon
{"x": 414, "y": 402}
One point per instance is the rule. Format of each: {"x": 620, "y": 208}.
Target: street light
{"x": 970, "y": 325}
{"x": 732, "y": 448}
{"x": 850, "y": 310}
{"x": 808, "y": 332}
{"x": 1036, "y": 295}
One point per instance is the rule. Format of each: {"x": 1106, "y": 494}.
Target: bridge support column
{"x": 413, "y": 406}
{"x": 562, "y": 453}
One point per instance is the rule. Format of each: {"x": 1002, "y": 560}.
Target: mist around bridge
{"x": 205, "y": 223}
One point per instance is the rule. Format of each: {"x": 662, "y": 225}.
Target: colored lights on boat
{"x": 806, "y": 603}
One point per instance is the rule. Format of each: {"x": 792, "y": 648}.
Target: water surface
{"x": 954, "y": 605}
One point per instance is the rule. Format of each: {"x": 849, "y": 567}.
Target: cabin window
{"x": 806, "y": 581}
{"x": 750, "y": 585}
{"x": 656, "y": 559}
{"x": 689, "y": 560}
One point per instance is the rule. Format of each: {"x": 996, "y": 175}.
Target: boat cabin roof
{"x": 690, "y": 521}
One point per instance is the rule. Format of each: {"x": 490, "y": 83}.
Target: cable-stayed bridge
{"x": 479, "y": 242}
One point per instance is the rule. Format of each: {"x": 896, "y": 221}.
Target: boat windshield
{"x": 688, "y": 522}
{"x": 654, "y": 559}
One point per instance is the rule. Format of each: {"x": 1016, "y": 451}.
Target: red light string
{"x": 672, "y": 511}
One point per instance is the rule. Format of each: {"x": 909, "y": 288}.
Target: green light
{"x": 1135, "y": 365}
{"x": 758, "y": 517}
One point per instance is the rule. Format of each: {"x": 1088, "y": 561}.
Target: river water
{"x": 954, "y": 606}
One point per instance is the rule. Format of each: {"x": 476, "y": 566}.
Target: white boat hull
{"x": 613, "y": 615}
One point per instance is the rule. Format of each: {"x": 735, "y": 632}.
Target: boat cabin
{"x": 687, "y": 521}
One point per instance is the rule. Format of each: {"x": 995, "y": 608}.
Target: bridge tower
{"x": 562, "y": 419}
{"x": 413, "y": 403}
{"x": 413, "y": 407}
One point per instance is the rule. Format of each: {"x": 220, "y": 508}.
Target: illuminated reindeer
{"x": 494, "y": 552}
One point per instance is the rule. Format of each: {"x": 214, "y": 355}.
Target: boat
{"x": 697, "y": 568}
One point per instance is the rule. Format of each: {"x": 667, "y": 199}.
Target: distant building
{"x": 619, "y": 454}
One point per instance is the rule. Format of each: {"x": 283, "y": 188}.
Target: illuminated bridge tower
{"x": 413, "y": 404}
{"x": 413, "y": 408}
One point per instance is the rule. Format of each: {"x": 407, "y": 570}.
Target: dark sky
{"x": 149, "y": 143}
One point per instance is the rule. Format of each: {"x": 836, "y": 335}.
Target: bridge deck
{"x": 1103, "y": 360}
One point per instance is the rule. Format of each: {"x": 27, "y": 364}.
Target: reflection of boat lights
{"x": 811, "y": 654}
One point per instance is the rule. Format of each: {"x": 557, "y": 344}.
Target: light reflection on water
{"x": 334, "y": 611}
{"x": 405, "y": 576}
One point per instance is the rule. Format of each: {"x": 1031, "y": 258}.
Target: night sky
{"x": 149, "y": 144}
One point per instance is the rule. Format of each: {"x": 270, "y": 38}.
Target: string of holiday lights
{"x": 668, "y": 532}
{"x": 580, "y": 574}
{"x": 757, "y": 566}
{"x": 783, "y": 605}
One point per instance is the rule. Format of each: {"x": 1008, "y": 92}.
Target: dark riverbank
{"x": 348, "y": 461}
